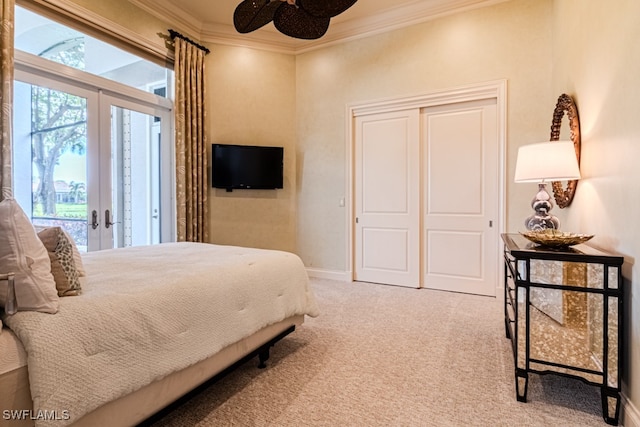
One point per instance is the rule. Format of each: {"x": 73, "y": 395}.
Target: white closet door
{"x": 461, "y": 197}
{"x": 387, "y": 206}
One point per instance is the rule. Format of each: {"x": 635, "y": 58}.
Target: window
{"x": 92, "y": 137}
{"x": 47, "y": 39}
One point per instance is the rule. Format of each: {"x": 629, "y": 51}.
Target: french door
{"x": 92, "y": 161}
{"x": 133, "y": 183}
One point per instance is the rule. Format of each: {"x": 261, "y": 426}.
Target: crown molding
{"x": 268, "y": 38}
{"x": 391, "y": 19}
{"x": 171, "y": 13}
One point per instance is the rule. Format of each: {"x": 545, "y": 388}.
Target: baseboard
{"x": 630, "y": 414}
{"x": 343, "y": 276}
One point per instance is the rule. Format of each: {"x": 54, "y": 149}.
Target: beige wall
{"x": 252, "y": 102}
{"x": 510, "y": 40}
{"x": 299, "y": 102}
{"x": 597, "y": 61}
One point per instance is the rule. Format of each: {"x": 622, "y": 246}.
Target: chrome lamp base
{"x": 541, "y": 219}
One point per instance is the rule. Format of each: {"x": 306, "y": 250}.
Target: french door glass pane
{"x": 135, "y": 161}
{"x": 50, "y": 143}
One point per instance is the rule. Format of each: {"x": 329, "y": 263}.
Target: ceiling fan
{"x": 302, "y": 19}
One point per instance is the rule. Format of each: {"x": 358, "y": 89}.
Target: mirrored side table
{"x": 564, "y": 314}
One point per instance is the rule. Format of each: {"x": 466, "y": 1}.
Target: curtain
{"x": 191, "y": 142}
{"x": 6, "y": 95}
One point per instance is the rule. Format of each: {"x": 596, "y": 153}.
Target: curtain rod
{"x": 175, "y": 34}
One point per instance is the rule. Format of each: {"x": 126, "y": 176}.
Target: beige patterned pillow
{"x": 77, "y": 258}
{"x": 63, "y": 266}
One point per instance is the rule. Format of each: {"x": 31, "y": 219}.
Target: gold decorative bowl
{"x": 555, "y": 239}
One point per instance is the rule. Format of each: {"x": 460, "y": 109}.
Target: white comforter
{"x": 149, "y": 311}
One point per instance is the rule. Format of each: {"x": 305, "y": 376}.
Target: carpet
{"x": 389, "y": 356}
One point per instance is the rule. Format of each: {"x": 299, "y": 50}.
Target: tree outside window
{"x": 58, "y": 125}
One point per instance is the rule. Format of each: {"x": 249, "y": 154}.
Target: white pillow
{"x": 22, "y": 253}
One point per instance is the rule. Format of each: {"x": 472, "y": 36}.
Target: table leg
{"x": 522, "y": 383}
{"x": 610, "y": 405}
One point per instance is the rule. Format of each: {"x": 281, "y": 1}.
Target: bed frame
{"x": 140, "y": 405}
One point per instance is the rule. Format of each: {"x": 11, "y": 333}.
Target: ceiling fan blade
{"x": 325, "y": 8}
{"x": 253, "y": 14}
{"x": 296, "y": 22}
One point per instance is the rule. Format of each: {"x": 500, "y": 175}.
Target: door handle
{"x": 107, "y": 219}
{"x": 94, "y": 219}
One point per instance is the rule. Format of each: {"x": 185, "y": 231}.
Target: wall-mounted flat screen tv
{"x": 246, "y": 167}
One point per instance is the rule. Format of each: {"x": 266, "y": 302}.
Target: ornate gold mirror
{"x": 565, "y": 105}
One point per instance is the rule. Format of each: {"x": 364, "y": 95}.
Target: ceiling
{"x": 212, "y": 21}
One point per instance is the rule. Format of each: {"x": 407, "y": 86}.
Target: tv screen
{"x": 246, "y": 166}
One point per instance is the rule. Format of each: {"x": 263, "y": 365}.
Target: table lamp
{"x": 542, "y": 162}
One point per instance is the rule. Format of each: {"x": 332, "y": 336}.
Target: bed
{"x": 150, "y": 324}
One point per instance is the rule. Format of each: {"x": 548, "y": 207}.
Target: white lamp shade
{"x": 547, "y": 161}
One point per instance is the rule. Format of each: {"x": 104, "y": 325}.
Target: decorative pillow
{"x": 22, "y": 253}
{"x": 77, "y": 258}
{"x": 63, "y": 267}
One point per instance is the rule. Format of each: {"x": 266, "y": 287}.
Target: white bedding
{"x": 148, "y": 311}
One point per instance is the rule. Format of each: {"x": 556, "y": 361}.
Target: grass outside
{"x": 64, "y": 210}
